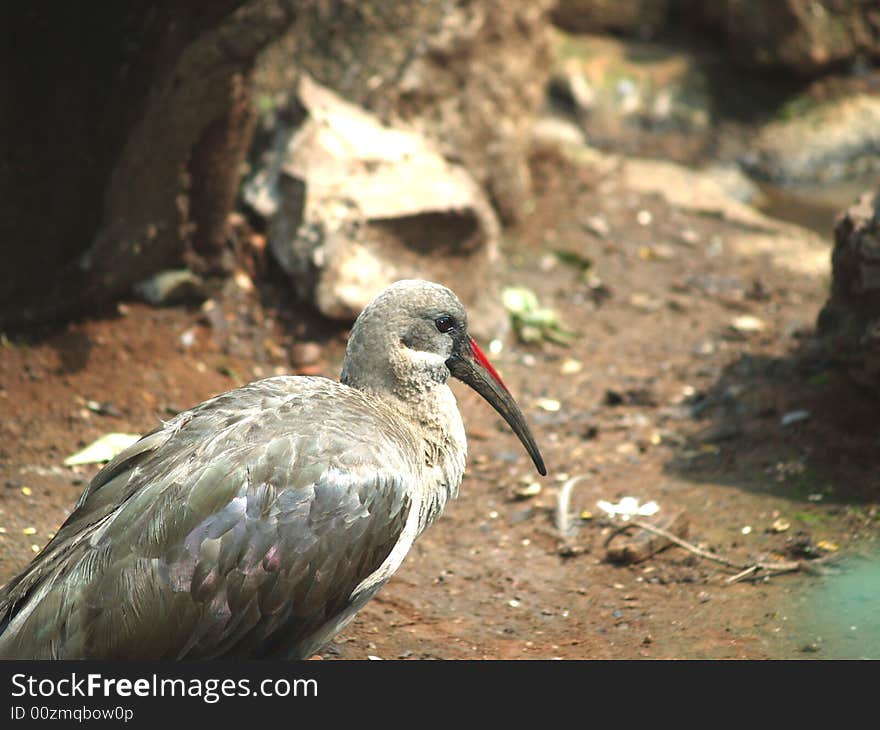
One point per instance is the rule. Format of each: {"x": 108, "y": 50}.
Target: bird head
{"x": 414, "y": 333}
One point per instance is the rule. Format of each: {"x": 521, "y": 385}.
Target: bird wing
{"x": 240, "y": 528}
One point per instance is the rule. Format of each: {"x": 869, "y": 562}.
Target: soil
{"x": 659, "y": 397}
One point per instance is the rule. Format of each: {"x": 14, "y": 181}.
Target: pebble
{"x": 570, "y": 366}
{"x": 748, "y": 324}
{"x": 794, "y": 417}
{"x": 548, "y": 404}
{"x": 171, "y": 287}
{"x": 644, "y": 302}
{"x": 243, "y": 281}
{"x": 598, "y": 225}
{"x": 780, "y": 525}
{"x": 530, "y": 490}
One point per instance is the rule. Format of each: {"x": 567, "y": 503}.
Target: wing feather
{"x": 240, "y": 528}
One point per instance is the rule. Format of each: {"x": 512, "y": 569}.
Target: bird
{"x": 259, "y": 522}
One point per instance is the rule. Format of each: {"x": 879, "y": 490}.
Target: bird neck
{"x": 429, "y": 409}
{"x": 413, "y": 385}
{"x": 435, "y": 415}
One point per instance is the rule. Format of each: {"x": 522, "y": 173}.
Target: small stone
{"x": 530, "y": 490}
{"x": 548, "y": 404}
{"x": 570, "y": 366}
{"x": 243, "y": 281}
{"x": 29, "y": 531}
{"x": 748, "y": 324}
{"x": 780, "y": 525}
{"x": 644, "y": 302}
{"x": 171, "y": 287}
{"x": 597, "y": 225}
{"x": 794, "y": 417}
{"x": 188, "y": 338}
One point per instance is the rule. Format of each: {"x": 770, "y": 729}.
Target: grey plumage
{"x": 259, "y": 522}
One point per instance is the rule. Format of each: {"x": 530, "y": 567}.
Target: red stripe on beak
{"x": 481, "y": 358}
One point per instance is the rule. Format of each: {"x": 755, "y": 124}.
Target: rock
{"x": 735, "y": 183}
{"x": 849, "y": 323}
{"x": 171, "y": 287}
{"x": 125, "y": 156}
{"x": 553, "y": 130}
{"x": 470, "y": 76}
{"x": 831, "y": 141}
{"x": 641, "y": 18}
{"x": 631, "y": 96}
{"x": 804, "y": 36}
{"x": 355, "y": 205}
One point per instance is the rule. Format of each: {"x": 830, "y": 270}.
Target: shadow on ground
{"x": 793, "y": 426}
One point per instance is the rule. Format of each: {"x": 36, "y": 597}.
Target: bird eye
{"x": 444, "y": 323}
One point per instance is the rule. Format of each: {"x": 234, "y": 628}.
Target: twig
{"x": 646, "y": 544}
{"x": 746, "y": 570}
{"x": 563, "y": 519}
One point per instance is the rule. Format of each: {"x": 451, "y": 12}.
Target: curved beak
{"x": 471, "y": 366}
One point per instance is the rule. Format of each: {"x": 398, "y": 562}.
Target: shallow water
{"x": 815, "y": 207}
{"x": 840, "y": 617}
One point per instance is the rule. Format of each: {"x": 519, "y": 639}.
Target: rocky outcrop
{"x": 125, "y": 141}
{"x": 470, "y": 76}
{"x": 806, "y": 37}
{"x": 803, "y": 36}
{"x": 640, "y": 18}
{"x": 130, "y": 126}
{"x": 353, "y": 205}
{"x": 849, "y": 323}
{"x": 634, "y": 97}
{"x": 829, "y": 142}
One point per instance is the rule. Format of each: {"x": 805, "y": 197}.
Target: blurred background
{"x": 663, "y": 216}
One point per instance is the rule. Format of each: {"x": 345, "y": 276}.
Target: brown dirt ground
{"x": 698, "y": 429}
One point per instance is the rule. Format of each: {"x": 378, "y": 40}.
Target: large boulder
{"x": 640, "y": 18}
{"x": 806, "y": 37}
{"x": 803, "y": 36}
{"x": 827, "y": 142}
{"x": 636, "y": 97}
{"x": 470, "y": 75}
{"x": 353, "y": 205}
{"x": 849, "y": 323}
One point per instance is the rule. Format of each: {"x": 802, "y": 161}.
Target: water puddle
{"x": 814, "y": 207}
{"x": 840, "y": 617}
